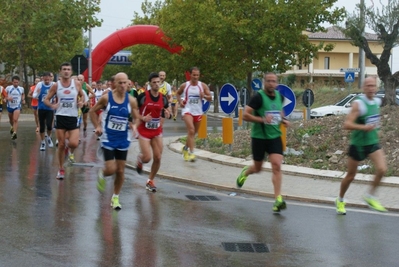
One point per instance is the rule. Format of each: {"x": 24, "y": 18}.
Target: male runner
{"x": 193, "y": 92}
{"x": 153, "y": 106}
{"x": 115, "y": 134}
{"x": 67, "y": 92}
{"x": 15, "y": 97}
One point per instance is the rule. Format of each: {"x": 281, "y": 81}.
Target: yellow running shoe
{"x": 340, "y": 205}
{"x": 71, "y": 158}
{"x": 115, "y": 203}
{"x": 186, "y": 155}
{"x": 101, "y": 183}
{"x": 191, "y": 157}
{"x": 375, "y": 204}
{"x": 279, "y": 204}
{"x": 242, "y": 177}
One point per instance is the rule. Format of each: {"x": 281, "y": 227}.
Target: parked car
{"x": 340, "y": 108}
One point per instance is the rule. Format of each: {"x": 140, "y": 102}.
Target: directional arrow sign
{"x": 289, "y": 98}
{"x": 256, "y": 84}
{"x": 205, "y": 105}
{"x": 228, "y": 98}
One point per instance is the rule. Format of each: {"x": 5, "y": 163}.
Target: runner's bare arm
{"x": 179, "y": 92}
{"x": 101, "y": 103}
{"x": 51, "y": 92}
{"x": 81, "y": 96}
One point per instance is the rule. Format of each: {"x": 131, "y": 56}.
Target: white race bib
{"x": 153, "y": 124}
{"x": 276, "y": 116}
{"x": 117, "y": 123}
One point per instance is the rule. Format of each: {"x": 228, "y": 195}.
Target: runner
{"x": 67, "y": 92}
{"x": 364, "y": 122}
{"x": 45, "y": 114}
{"x": 115, "y": 135}
{"x": 34, "y": 103}
{"x": 153, "y": 106}
{"x": 15, "y": 97}
{"x": 175, "y": 103}
{"x": 2, "y": 95}
{"x": 164, "y": 87}
{"x": 85, "y": 110}
{"x": 265, "y": 111}
{"x": 193, "y": 92}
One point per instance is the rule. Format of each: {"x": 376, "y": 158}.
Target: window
{"x": 327, "y": 63}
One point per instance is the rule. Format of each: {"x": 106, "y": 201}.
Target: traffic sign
{"x": 349, "y": 70}
{"x": 228, "y": 98}
{"x": 256, "y": 84}
{"x": 205, "y": 105}
{"x": 349, "y": 77}
{"x": 289, "y": 98}
{"x": 79, "y": 64}
{"x": 308, "y": 98}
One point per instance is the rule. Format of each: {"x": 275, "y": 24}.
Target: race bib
{"x": 44, "y": 97}
{"x": 67, "y": 102}
{"x": 373, "y": 120}
{"x": 15, "y": 100}
{"x": 194, "y": 100}
{"x": 117, "y": 123}
{"x": 276, "y": 117}
{"x": 153, "y": 124}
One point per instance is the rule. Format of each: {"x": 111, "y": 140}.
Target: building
{"x": 325, "y": 69}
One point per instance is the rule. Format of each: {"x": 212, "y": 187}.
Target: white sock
{"x": 341, "y": 199}
{"x": 115, "y": 195}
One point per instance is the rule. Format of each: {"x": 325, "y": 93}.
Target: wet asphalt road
{"x": 46, "y": 222}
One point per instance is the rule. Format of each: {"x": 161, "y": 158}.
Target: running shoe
{"x": 49, "y": 142}
{"x": 101, "y": 183}
{"x": 71, "y": 158}
{"x": 242, "y": 177}
{"x": 374, "y": 204}
{"x": 186, "y": 155}
{"x": 139, "y": 165}
{"x": 150, "y": 186}
{"x": 191, "y": 157}
{"x": 340, "y": 207}
{"x": 11, "y": 130}
{"x": 174, "y": 118}
{"x": 61, "y": 174}
{"x": 43, "y": 146}
{"x": 279, "y": 204}
{"x": 115, "y": 203}
{"x": 14, "y": 136}
{"x": 56, "y": 143}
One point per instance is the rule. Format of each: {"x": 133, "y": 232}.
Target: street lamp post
{"x": 361, "y": 50}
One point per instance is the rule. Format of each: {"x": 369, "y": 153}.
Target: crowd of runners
{"x": 120, "y": 112}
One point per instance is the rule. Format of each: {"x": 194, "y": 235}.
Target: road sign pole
{"x": 78, "y": 65}
{"x": 308, "y": 109}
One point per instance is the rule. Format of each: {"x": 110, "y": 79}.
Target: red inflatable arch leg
{"x": 137, "y": 34}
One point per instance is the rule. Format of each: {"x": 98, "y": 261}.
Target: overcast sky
{"x": 117, "y": 14}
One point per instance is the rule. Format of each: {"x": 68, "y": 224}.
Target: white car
{"x": 341, "y": 108}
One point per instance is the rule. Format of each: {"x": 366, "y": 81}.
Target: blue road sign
{"x": 205, "y": 105}
{"x": 349, "y": 77}
{"x": 289, "y": 98}
{"x": 256, "y": 84}
{"x": 228, "y": 98}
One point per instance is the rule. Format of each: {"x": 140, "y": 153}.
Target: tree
{"x": 384, "y": 22}
{"x": 40, "y": 34}
{"x": 233, "y": 38}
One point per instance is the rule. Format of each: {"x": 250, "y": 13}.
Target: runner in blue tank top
{"x": 115, "y": 133}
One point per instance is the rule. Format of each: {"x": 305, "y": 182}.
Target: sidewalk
{"x": 299, "y": 183}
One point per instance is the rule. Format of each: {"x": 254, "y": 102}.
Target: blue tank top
{"x": 116, "y": 134}
{"x": 42, "y": 95}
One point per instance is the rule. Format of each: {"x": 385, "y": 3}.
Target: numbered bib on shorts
{"x": 117, "y": 123}
{"x": 153, "y": 124}
{"x": 276, "y": 117}
{"x": 193, "y": 100}
{"x": 373, "y": 120}
{"x": 67, "y": 102}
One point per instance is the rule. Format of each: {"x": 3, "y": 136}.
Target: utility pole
{"x": 89, "y": 60}
{"x": 362, "y": 66}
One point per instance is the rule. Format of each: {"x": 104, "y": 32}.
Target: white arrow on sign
{"x": 256, "y": 85}
{"x": 286, "y": 101}
{"x": 229, "y": 98}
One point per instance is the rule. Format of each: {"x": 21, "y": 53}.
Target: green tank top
{"x": 85, "y": 88}
{"x": 372, "y": 116}
{"x": 269, "y": 106}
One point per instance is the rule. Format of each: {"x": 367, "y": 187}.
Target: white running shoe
{"x": 50, "y": 142}
{"x": 43, "y": 146}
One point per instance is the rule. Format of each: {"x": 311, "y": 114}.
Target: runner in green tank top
{"x": 265, "y": 111}
{"x": 364, "y": 121}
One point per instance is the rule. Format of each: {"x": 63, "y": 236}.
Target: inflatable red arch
{"x": 137, "y": 34}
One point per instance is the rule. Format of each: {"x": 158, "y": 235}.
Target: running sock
{"x": 341, "y": 199}
{"x": 115, "y": 195}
